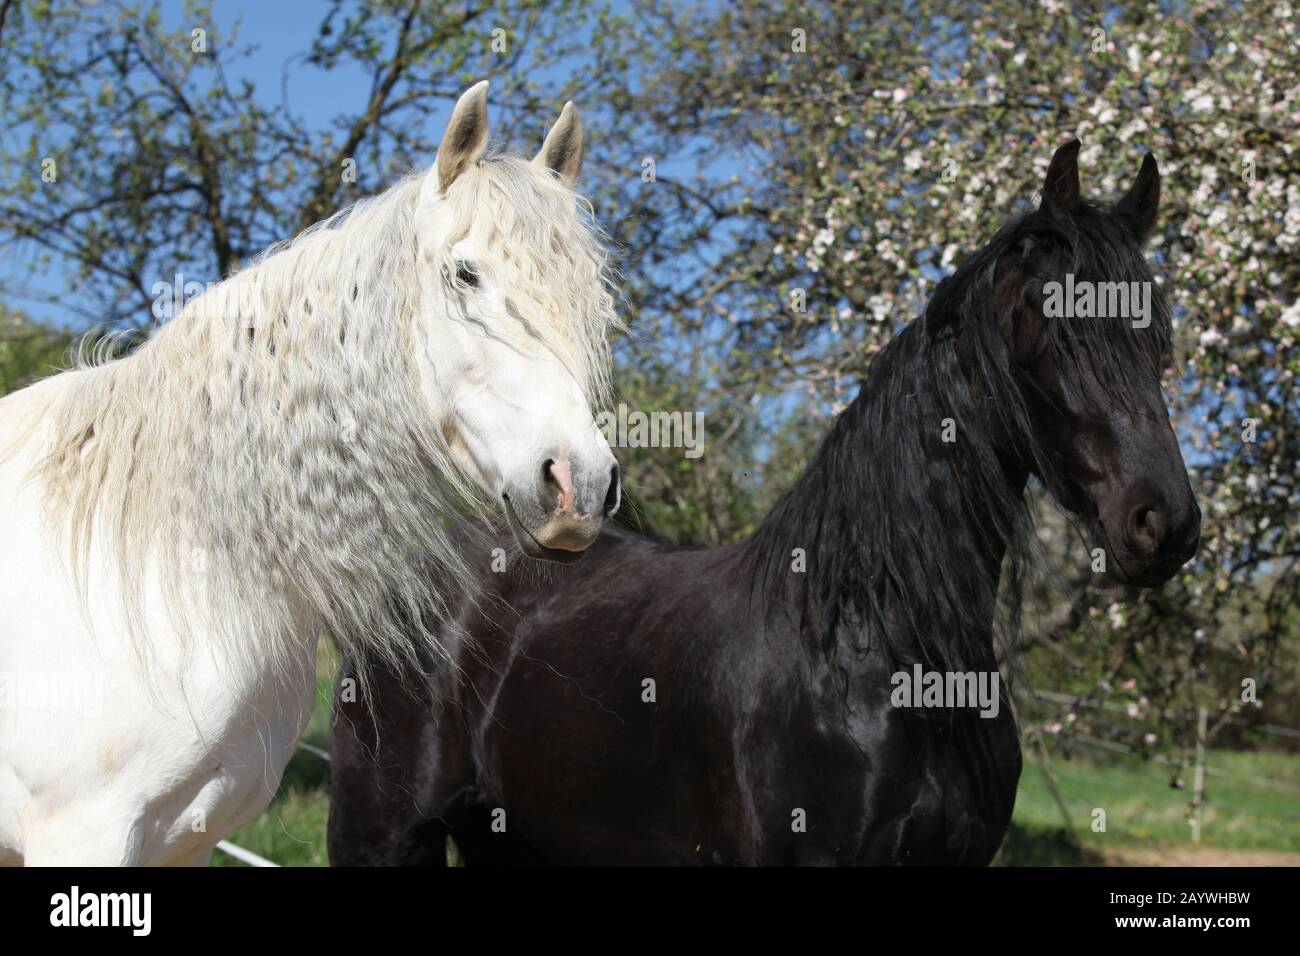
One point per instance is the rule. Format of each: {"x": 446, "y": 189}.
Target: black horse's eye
{"x": 466, "y": 275}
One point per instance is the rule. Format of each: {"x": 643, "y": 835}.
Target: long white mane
{"x": 268, "y": 449}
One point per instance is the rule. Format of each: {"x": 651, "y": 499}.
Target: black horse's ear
{"x": 1061, "y": 184}
{"x": 1137, "y": 209}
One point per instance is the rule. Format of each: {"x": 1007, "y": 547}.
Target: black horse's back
{"x": 583, "y": 729}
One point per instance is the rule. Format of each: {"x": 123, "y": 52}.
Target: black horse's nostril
{"x": 612, "y": 494}
{"x": 1146, "y": 530}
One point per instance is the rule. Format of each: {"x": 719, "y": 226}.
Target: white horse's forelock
{"x": 268, "y": 450}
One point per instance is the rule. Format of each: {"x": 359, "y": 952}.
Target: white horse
{"x": 280, "y": 461}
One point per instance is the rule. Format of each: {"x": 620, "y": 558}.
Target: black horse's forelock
{"x": 902, "y": 530}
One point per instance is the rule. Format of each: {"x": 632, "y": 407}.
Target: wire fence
{"x": 1201, "y": 769}
{"x": 1120, "y": 748}
{"x": 1075, "y": 701}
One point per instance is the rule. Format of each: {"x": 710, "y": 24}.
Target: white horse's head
{"x": 515, "y": 310}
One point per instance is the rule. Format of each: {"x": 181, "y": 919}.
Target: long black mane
{"x": 902, "y": 531}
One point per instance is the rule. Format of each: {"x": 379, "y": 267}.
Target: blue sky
{"x": 279, "y": 29}
{"x": 278, "y": 32}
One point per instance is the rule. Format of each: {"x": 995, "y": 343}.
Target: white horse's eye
{"x": 466, "y": 274}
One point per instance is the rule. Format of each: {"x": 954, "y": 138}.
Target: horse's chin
{"x": 1144, "y": 575}
{"x": 530, "y": 546}
{"x": 1117, "y": 573}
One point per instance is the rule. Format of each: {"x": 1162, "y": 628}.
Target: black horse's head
{"x": 1066, "y": 355}
{"x": 1088, "y": 331}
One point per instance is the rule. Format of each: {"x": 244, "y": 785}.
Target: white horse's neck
{"x": 269, "y": 443}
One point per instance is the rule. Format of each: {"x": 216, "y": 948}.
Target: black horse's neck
{"x": 903, "y": 517}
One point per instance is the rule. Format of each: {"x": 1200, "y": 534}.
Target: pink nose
{"x": 558, "y": 478}
{"x": 592, "y": 495}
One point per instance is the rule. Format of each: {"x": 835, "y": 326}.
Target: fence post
{"x": 1198, "y": 779}
{"x": 1045, "y": 768}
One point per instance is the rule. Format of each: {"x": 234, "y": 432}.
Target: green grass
{"x": 1257, "y": 807}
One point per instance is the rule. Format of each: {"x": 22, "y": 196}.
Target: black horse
{"x": 750, "y": 703}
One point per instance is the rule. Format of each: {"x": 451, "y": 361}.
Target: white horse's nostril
{"x": 557, "y": 480}
{"x": 613, "y": 494}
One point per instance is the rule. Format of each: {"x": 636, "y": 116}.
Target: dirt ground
{"x": 1189, "y": 856}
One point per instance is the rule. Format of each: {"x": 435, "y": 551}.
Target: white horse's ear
{"x": 465, "y": 139}
{"x": 562, "y": 150}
